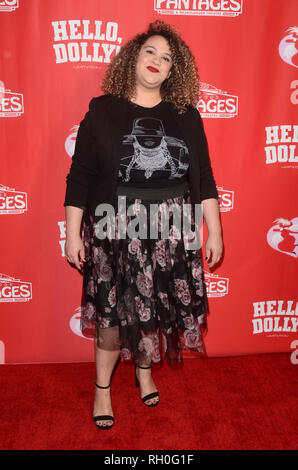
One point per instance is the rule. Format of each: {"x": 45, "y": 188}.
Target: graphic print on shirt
{"x": 148, "y": 150}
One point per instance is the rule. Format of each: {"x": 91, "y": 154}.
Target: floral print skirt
{"x": 146, "y": 297}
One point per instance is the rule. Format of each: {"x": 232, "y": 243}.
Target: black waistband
{"x": 153, "y": 193}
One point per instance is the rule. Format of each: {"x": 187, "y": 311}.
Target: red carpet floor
{"x": 244, "y": 402}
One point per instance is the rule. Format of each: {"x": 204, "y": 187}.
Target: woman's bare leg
{"x": 105, "y": 363}
{"x": 144, "y": 376}
{"x": 147, "y": 384}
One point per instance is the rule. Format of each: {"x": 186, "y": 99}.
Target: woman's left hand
{"x": 214, "y": 245}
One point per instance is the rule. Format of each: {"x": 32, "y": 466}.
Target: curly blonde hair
{"x": 182, "y": 88}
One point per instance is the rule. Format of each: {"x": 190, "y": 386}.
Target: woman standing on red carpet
{"x": 142, "y": 141}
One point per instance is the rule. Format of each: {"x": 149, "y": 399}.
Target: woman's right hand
{"x": 74, "y": 251}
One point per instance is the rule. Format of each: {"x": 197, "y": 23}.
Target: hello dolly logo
{"x": 9, "y": 5}
{"x": 85, "y": 41}
{"x": 277, "y": 317}
{"x": 199, "y": 7}
{"x": 288, "y": 47}
{"x": 281, "y": 145}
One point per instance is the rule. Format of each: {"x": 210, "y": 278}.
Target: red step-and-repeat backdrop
{"x": 53, "y": 55}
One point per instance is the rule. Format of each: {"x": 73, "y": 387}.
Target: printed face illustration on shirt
{"x": 147, "y": 149}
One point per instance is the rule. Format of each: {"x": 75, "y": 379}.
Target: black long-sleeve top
{"x": 97, "y": 164}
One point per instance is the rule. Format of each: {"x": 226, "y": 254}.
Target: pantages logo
{"x": 226, "y": 199}
{"x": 215, "y": 103}
{"x": 275, "y": 316}
{"x": 281, "y": 145}
{"x": 9, "y": 5}
{"x": 80, "y": 41}
{"x": 217, "y": 286}
{"x": 11, "y": 103}
{"x": 199, "y": 7}
{"x": 12, "y": 201}
{"x": 14, "y": 290}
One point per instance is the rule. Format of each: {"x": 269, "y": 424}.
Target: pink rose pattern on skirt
{"x": 144, "y": 296}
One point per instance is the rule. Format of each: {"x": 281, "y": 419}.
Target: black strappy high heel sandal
{"x": 151, "y": 395}
{"x": 103, "y": 417}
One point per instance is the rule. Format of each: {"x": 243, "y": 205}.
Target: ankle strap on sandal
{"x": 98, "y": 386}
